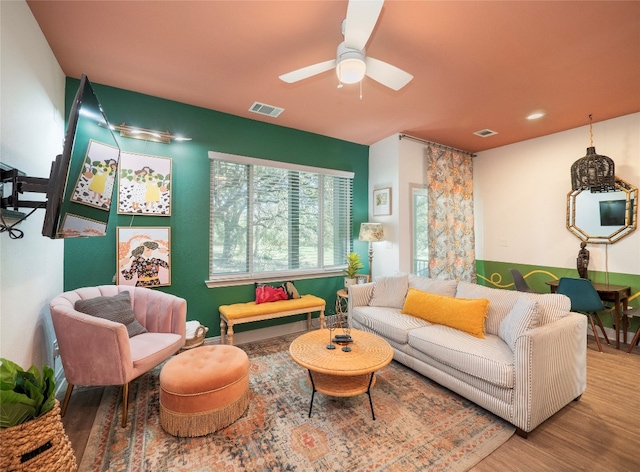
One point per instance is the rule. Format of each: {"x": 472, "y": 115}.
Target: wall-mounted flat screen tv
{"x": 613, "y": 212}
{"x": 82, "y": 178}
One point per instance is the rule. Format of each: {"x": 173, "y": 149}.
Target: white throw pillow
{"x": 390, "y": 291}
{"x": 437, "y": 286}
{"x": 522, "y": 317}
{"x": 500, "y": 302}
{"x": 551, "y": 306}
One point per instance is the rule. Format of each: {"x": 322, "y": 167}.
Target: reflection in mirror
{"x": 603, "y": 217}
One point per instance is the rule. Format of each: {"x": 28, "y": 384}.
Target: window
{"x": 273, "y": 220}
{"x": 419, "y": 203}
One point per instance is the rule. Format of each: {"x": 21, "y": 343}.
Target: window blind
{"x": 271, "y": 218}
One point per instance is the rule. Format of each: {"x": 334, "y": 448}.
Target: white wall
{"x": 31, "y": 135}
{"x": 399, "y": 164}
{"x": 383, "y": 172}
{"x": 520, "y": 195}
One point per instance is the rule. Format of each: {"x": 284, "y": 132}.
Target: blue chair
{"x": 519, "y": 282}
{"x": 585, "y": 299}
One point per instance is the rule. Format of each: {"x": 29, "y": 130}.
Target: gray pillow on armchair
{"x": 116, "y": 308}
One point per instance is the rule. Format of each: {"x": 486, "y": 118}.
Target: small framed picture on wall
{"x": 382, "y": 202}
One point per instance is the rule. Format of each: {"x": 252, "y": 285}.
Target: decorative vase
{"x": 40, "y": 444}
{"x": 348, "y": 282}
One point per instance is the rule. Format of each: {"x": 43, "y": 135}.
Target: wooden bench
{"x": 249, "y": 312}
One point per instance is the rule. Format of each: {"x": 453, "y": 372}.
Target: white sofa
{"x": 530, "y": 364}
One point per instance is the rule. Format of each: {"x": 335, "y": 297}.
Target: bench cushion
{"x": 243, "y": 310}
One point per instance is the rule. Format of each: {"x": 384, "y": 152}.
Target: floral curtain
{"x": 450, "y": 201}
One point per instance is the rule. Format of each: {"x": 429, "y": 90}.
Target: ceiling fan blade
{"x": 308, "y": 71}
{"x": 388, "y": 75}
{"x": 362, "y": 16}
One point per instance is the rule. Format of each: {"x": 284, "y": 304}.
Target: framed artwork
{"x": 75, "y": 226}
{"x": 362, "y": 278}
{"x": 382, "y": 202}
{"x": 144, "y": 256}
{"x": 94, "y": 186}
{"x": 144, "y": 187}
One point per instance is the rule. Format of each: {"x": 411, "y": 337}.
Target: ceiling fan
{"x": 351, "y": 62}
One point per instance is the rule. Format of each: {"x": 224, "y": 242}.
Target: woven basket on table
{"x": 39, "y": 445}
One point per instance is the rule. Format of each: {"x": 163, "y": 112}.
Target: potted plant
{"x": 31, "y": 430}
{"x": 353, "y": 266}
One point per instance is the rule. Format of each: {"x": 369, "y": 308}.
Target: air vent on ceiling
{"x": 484, "y": 133}
{"x": 264, "y": 109}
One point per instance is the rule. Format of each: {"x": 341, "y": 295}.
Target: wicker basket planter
{"x": 198, "y": 338}
{"x": 38, "y": 445}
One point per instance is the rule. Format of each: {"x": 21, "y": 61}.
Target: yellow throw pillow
{"x": 465, "y": 314}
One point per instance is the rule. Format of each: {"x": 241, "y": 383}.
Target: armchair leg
{"x": 67, "y": 397}
{"x": 125, "y": 404}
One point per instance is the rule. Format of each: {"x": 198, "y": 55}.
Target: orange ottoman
{"x": 204, "y": 389}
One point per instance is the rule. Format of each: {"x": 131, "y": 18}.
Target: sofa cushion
{"x": 439, "y": 286}
{"x": 116, "y": 308}
{"x": 464, "y": 314}
{"x": 390, "y": 291}
{"x": 551, "y": 306}
{"x": 387, "y": 322}
{"x": 500, "y": 302}
{"x": 522, "y": 317}
{"x": 489, "y": 358}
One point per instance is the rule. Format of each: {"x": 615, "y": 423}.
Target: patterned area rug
{"x": 419, "y": 426}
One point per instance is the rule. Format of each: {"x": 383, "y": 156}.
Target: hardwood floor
{"x": 601, "y": 431}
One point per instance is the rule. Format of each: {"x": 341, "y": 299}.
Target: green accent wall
{"x": 92, "y": 261}
{"x": 496, "y": 274}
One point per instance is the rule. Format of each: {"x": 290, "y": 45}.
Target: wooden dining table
{"x": 619, "y": 294}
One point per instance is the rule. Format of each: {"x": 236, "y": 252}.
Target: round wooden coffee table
{"x": 336, "y": 372}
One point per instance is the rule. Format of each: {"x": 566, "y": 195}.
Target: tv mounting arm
{"x": 21, "y": 183}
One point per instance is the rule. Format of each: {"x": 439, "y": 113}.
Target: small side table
{"x": 342, "y": 299}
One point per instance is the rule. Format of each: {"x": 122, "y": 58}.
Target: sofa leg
{"x": 522, "y": 433}
{"x": 577, "y": 398}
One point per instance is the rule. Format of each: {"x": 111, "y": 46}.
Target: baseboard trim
{"x": 261, "y": 334}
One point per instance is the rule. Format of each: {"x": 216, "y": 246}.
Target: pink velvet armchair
{"x": 96, "y": 351}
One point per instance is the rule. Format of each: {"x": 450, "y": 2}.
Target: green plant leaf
{"x": 24, "y": 394}
{"x": 49, "y": 390}
{"x": 15, "y": 408}
{"x": 13, "y": 414}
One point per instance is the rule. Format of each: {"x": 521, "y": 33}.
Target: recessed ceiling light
{"x": 535, "y": 116}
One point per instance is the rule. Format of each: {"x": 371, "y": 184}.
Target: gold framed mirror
{"x": 603, "y": 217}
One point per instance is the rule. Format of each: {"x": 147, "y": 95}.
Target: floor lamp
{"x": 371, "y": 233}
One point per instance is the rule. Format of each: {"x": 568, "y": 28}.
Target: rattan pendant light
{"x": 593, "y": 171}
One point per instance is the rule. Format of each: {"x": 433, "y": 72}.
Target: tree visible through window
{"x": 420, "y": 227}
{"x": 270, "y": 218}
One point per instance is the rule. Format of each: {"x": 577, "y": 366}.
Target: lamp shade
{"x": 371, "y": 232}
{"x": 593, "y": 172}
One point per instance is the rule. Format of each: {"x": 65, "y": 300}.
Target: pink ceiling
{"x": 476, "y": 65}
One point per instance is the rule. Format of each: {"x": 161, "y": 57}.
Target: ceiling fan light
{"x": 350, "y": 65}
{"x": 351, "y": 70}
